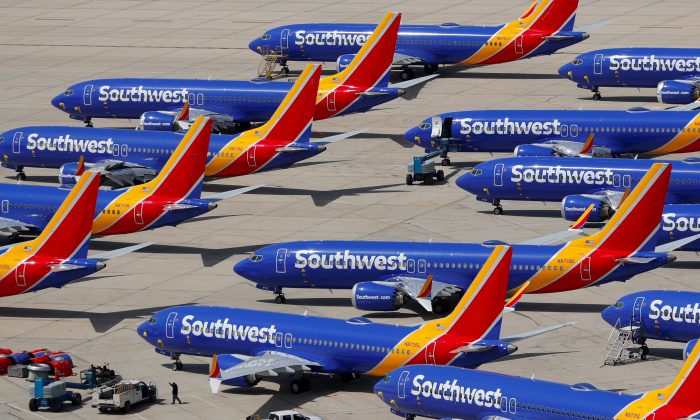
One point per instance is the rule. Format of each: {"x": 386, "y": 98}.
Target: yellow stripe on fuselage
{"x": 689, "y": 134}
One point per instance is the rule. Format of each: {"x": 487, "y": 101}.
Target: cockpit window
{"x": 619, "y": 305}
{"x": 265, "y": 37}
{"x": 2, "y": 139}
{"x": 577, "y": 62}
{"x": 68, "y": 92}
{"x": 476, "y": 172}
{"x": 424, "y": 126}
{"x": 387, "y": 378}
{"x": 153, "y": 320}
{"x": 256, "y": 258}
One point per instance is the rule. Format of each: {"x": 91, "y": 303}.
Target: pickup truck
{"x": 124, "y": 395}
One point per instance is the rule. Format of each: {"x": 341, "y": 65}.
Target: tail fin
{"x": 68, "y": 232}
{"x": 550, "y": 15}
{"x": 372, "y": 64}
{"x": 637, "y": 219}
{"x": 183, "y": 174}
{"x": 481, "y": 307}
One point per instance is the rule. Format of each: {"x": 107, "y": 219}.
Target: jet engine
{"x": 573, "y": 206}
{"x": 227, "y": 361}
{"x": 373, "y": 296}
{"x": 66, "y": 174}
{"x": 530, "y": 150}
{"x": 689, "y": 346}
{"x": 344, "y": 61}
{"x": 158, "y": 121}
{"x": 677, "y": 92}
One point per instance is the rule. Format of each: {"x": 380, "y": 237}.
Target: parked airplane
{"x": 674, "y": 72}
{"x": 577, "y": 183}
{"x": 658, "y": 315}
{"x": 385, "y": 275}
{"x": 560, "y": 132}
{"x": 172, "y": 197}
{"x": 59, "y": 254}
{"x": 129, "y": 157}
{"x": 447, "y": 392}
{"x": 248, "y": 345}
{"x": 545, "y": 27}
{"x": 158, "y": 103}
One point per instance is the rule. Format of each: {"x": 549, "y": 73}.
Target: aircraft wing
{"x": 121, "y": 172}
{"x": 231, "y": 193}
{"x": 538, "y": 331}
{"x": 270, "y": 363}
{"x": 575, "y": 229}
{"x": 104, "y": 256}
{"x": 420, "y": 289}
{"x": 411, "y": 57}
{"x": 13, "y": 226}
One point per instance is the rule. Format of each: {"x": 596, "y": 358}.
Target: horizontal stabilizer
{"x": 473, "y": 348}
{"x": 104, "y": 256}
{"x": 672, "y": 246}
{"x": 575, "y": 229}
{"x": 177, "y": 206}
{"x": 55, "y": 268}
{"x": 338, "y": 137}
{"x": 232, "y": 193}
{"x": 539, "y": 331}
{"x": 635, "y": 260}
{"x": 413, "y": 82}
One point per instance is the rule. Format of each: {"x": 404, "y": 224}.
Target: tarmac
{"x": 354, "y": 190}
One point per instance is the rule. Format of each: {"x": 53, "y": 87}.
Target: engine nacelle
{"x": 371, "y": 296}
{"x": 67, "y": 173}
{"x": 227, "y": 361}
{"x": 344, "y": 61}
{"x": 158, "y": 121}
{"x": 573, "y": 206}
{"x": 530, "y": 150}
{"x": 689, "y": 346}
{"x": 677, "y": 92}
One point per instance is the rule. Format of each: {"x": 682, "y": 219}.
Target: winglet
{"x": 587, "y": 146}
{"x": 624, "y": 197}
{"x": 516, "y": 297}
{"x": 214, "y": 374}
{"x": 184, "y": 113}
{"x": 81, "y": 166}
{"x": 427, "y": 288}
{"x": 583, "y": 219}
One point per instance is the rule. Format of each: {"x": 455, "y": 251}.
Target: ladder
{"x": 269, "y": 61}
{"x": 617, "y": 353}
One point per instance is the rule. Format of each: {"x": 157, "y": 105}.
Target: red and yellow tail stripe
{"x": 478, "y": 311}
{"x": 634, "y": 223}
{"x": 244, "y": 154}
{"x": 130, "y": 212}
{"x": 683, "y": 142}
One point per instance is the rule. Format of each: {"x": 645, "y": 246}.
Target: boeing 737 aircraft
{"x": 446, "y": 392}
{"x": 560, "y": 133}
{"x": 158, "y": 103}
{"x": 59, "y": 254}
{"x": 545, "y": 27}
{"x": 658, "y": 315}
{"x": 674, "y": 72}
{"x": 248, "y": 345}
{"x": 130, "y": 157}
{"x": 577, "y": 183}
{"x": 172, "y": 197}
{"x": 385, "y": 275}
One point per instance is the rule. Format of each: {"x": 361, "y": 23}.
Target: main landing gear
{"x": 407, "y": 73}
{"x": 177, "y": 363}
{"x": 21, "y": 176}
{"x": 430, "y": 68}
{"x": 299, "y": 385}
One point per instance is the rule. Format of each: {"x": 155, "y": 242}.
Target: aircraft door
{"x": 616, "y": 180}
{"x": 421, "y": 266}
{"x": 17, "y": 142}
{"x": 498, "y": 174}
{"x": 330, "y": 101}
{"x": 447, "y": 128}
{"x": 637, "y": 311}
{"x": 519, "y": 44}
{"x": 288, "y": 340}
{"x": 200, "y": 99}
{"x": 598, "y": 64}
{"x": 430, "y": 353}
{"x": 403, "y": 379}
{"x": 436, "y": 130}
{"x": 138, "y": 214}
{"x": 250, "y": 153}
{"x": 20, "y": 275}
{"x": 586, "y": 269}
{"x": 281, "y": 260}
{"x": 278, "y": 339}
{"x": 170, "y": 325}
{"x": 87, "y": 94}
{"x": 5, "y": 206}
{"x": 411, "y": 266}
{"x": 626, "y": 180}
{"x": 284, "y": 40}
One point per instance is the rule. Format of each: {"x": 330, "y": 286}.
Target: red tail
{"x": 69, "y": 229}
{"x": 553, "y": 15}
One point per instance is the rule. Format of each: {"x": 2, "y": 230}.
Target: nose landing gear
{"x": 88, "y": 122}
{"x": 21, "y": 176}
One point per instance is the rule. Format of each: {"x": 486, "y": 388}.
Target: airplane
{"x": 128, "y": 157}
{"x": 59, "y": 254}
{"x": 383, "y": 276}
{"x": 667, "y": 315}
{"x": 674, "y": 72}
{"x": 577, "y": 183}
{"x": 582, "y": 133}
{"x": 248, "y": 345}
{"x": 448, "y": 392}
{"x": 172, "y": 197}
{"x": 545, "y": 27}
{"x": 233, "y": 104}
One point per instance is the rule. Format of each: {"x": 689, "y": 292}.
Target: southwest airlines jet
{"x": 658, "y": 315}
{"x": 128, "y": 157}
{"x": 447, "y": 392}
{"x": 233, "y": 104}
{"x": 560, "y": 133}
{"x": 248, "y": 345}
{"x": 59, "y": 254}
{"x": 172, "y": 197}
{"x": 545, "y": 27}
{"x": 674, "y": 72}
{"x": 385, "y": 275}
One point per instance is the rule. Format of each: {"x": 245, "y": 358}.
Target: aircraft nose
{"x": 381, "y": 388}
{"x": 59, "y": 101}
{"x": 610, "y": 315}
{"x": 256, "y": 45}
{"x": 142, "y": 330}
{"x": 243, "y": 268}
{"x": 469, "y": 183}
{"x": 413, "y": 136}
{"x": 567, "y": 71}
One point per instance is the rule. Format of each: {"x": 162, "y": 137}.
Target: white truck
{"x": 290, "y": 415}
{"x": 124, "y": 395}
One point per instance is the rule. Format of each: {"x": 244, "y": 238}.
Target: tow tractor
{"x": 422, "y": 168}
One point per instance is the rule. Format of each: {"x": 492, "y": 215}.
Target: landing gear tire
{"x": 645, "y": 352}
{"x": 498, "y": 210}
{"x": 440, "y": 175}
{"x": 285, "y": 70}
{"x": 430, "y": 68}
{"x": 445, "y": 162}
{"x": 297, "y": 386}
{"x": 21, "y": 176}
{"x": 407, "y": 74}
{"x": 409, "y": 179}
{"x": 597, "y": 96}
{"x": 177, "y": 365}
{"x": 280, "y": 299}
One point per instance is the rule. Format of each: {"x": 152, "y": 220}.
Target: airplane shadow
{"x": 528, "y": 213}
{"x": 666, "y": 353}
{"x": 464, "y": 73}
{"x": 638, "y": 99}
{"x": 101, "y": 322}
{"x": 44, "y": 179}
{"x": 325, "y": 162}
{"x": 685, "y": 265}
{"x": 210, "y": 256}
{"x": 519, "y": 355}
{"x": 561, "y": 307}
{"x": 396, "y": 138}
{"x": 329, "y": 301}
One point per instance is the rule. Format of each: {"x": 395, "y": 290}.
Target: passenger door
{"x": 138, "y": 214}
{"x": 20, "y": 278}
{"x": 498, "y": 174}
{"x": 637, "y": 311}
{"x": 250, "y": 153}
{"x": 598, "y": 64}
{"x": 170, "y": 325}
{"x": 403, "y": 379}
{"x": 330, "y": 101}
{"x": 281, "y": 266}
{"x": 586, "y": 269}
{"x": 87, "y": 94}
{"x": 17, "y": 142}
{"x": 284, "y": 41}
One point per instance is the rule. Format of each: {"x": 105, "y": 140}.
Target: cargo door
{"x": 519, "y": 44}
{"x": 138, "y": 214}
{"x": 170, "y": 325}
{"x": 281, "y": 260}
{"x": 17, "y": 142}
{"x": 20, "y": 275}
{"x": 250, "y": 153}
{"x": 598, "y": 64}
{"x": 586, "y": 269}
{"x": 330, "y": 101}
{"x": 87, "y": 94}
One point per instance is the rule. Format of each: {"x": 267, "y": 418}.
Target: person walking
{"x": 175, "y": 397}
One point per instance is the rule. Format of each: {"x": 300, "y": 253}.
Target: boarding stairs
{"x": 618, "y": 342}
{"x": 269, "y": 61}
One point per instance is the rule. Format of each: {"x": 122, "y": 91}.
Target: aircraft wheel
{"x": 33, "y": 404}
{"x": 285, "y": 71}
{"x": 178, "y": 365}
{"x": 440, "y": 175}
{"x": 409, "y": 179}
{"x": 597, "y": 96}
{"x": 21, "y": 176}
{"x": 445, "y": 162}
{"x": 296, "y": 387}
{"x": 280, "y": 299}
{"x": 430, "y": 68}
{"x": 498, "y": 210}
{"x": 440, "y": 306}
{"x": 407, "y": 74}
